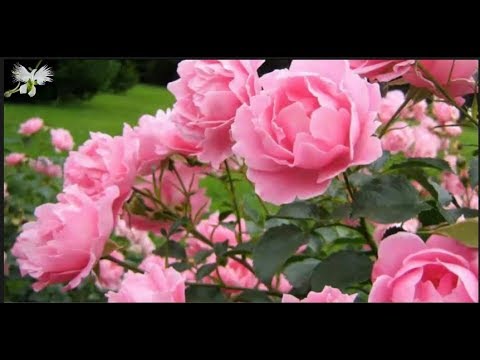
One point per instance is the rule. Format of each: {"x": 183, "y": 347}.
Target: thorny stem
{"x": 122, "y": 263}
{"x": 394, "y": 117}
{"x": 363, "y": 224}
{"x": 235, "y": 203}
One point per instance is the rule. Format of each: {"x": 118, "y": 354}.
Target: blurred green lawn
{"x": 104, "y": 112}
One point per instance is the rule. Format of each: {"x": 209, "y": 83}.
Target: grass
{"x": 104, "y": 112}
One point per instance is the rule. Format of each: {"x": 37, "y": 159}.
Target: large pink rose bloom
{"x": 309, "y": 124}
{"x": 62, "y": 140}
{"x": 455, "y": 76}
{"x": 110, "y": 274}
{"x": 409, "y": 270}
{"x": 328, "y": 295}
{"x": 155, "y": 285}
{"x": 101, "y": 162}
{"x": 208, "y": 94}
{"x": 67, "y": 239}
{"x": 158, "y": 138}
{"x": 172, "y": 196}
{"x": 31, "y": 126}
{"x": 381, "y": 70}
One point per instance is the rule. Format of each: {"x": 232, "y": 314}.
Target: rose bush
{"x": 303, "y": 185}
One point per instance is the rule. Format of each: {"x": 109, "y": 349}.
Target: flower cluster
{"x": 295, "y": 131}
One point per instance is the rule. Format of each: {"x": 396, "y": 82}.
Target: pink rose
{"x": 236, "y": 275}
{"x": 390, "y": 104}
{"x": 31, "y": 126}
{"x": 172, "y": 196}
{"x": 103, "y": 161}
{"x": 425, "y": 144}
{"x": 158, "y": 138}
{"x": 410, "y": 226}
{"x": 452, "y": 129}
{"x": 452, "y": 161}
{"x": 155, "y": 285}
{"x": 415, "y": 111}
{"x": 140, "y": 242}
{"x": 444, "y": 112}
{"x": 279, "y": 283}
{"x": 309, "y": 124}
{"x": 398, "y": 138}
{"x": 428, "y": 123}
{"x": 217, "y": 233}
{"x": 110, "y": 274}
{"x": 381, "y": 70}
{"x": 67, "y": 239}
{"x": 208, "y": 94}
{"x": 328, "y": 295}
{"x": 455, "y": 76}
{"x": 154, "y": 260}
{"x": 409, "y": 270}
{"x": 45, "y": 166}
{"x": 14, "y": 159}
{"x": 61, "y": 140}
{"x": 453, "y": 184}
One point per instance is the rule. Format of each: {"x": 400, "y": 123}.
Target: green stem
{"x": 395, "y": 116}
{"x": 363, "y": 224}
{"x": 235, "y": 203}
{"x": 226, "y": 287}
{"x": 368, "y": 237}
{"x": 122, "y": 263}
{"x": 445, "y": 93}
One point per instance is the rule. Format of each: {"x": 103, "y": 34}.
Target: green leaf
{"x": 433, "y": 163}
{"x": 341, "y": 270}
{"x": 439, "y": 193}
{"x": 181, "y": 266}
{"x": 452, "y": 215}
{"x": 221, "y": 248}
{"x": 431, "y": 216}
{"x": 200, "y": 256}
{"x": 342, "y": 211}
{"x": 205, "y": 270}
{"x": 466, "y": 232}
{"x": 176, "y": 225}
{"x": 204, "y": 294}
{"x": 298, "y": 210}
{"x": 475, "y": 106}
{"x": 253, "y": 296}
{"x": 253, "y": 209}
{"x": 380, "y": 162}
{"x": 274, "y": 248}
{"x": 388, "y": 199}
{"x": 299, "y": 273}
{"x": 473, "y": 171}
{"x": 171, "y": 248}
{"x": 245, "y": 248}
{"x": 110, "y": 246}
